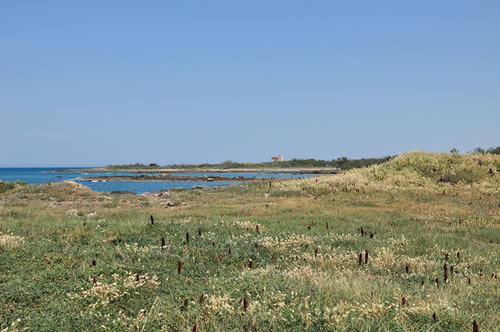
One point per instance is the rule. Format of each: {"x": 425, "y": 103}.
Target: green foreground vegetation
{"x": 409, "y": 245}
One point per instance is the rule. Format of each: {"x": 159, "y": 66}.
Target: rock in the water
{"x": 123, "y": 192}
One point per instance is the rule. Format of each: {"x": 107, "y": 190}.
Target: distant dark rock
{"x": 123, "y": 192}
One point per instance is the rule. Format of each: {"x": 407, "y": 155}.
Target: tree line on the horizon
{"x": 342, "y": 163}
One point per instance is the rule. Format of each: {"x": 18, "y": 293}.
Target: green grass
{"x": 46, "y": 272}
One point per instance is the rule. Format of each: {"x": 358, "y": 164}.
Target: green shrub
{"x": 6, "y": 186}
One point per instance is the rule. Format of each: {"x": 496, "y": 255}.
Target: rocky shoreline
{"x": 169, "y": 178}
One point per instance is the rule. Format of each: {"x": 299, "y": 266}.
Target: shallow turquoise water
{"x": 39, "y": 175}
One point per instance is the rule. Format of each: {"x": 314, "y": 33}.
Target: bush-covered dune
{"x": 414, "y": 171}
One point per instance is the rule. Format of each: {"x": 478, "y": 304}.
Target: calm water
{"x": 39, "y": 175}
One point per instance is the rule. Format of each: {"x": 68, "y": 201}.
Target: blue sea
{"x": 42, "y": 175}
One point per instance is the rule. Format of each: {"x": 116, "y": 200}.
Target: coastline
{"x": 317, "y": 170}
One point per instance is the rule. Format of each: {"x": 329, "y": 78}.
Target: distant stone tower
{"x": 278, "y": 158}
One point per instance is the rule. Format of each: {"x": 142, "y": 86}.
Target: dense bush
{"x": 6, "y": 186}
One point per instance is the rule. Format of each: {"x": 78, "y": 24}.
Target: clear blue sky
{"x": 100, "y": 82}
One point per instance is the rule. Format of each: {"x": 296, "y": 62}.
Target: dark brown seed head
{"x": 316, "y": 252}
{"x": 152, "y": 220}
{"x": 94, "y": 263}
{"x": 362, "y": 231}
{"x": 213, "y": 244}
{"x": 137, "y": 277}
{"x": 407, "y": 269}
{"x": 308, "y": 228}
{"x": 272, "y": 258}
{"x": 437, "y": 282}
{"x": 446, "y": 256}
{"x": 458, "y": 254}
{"x": 187, "y": 237}
{"x": 195, "y": 328}
{"x": 185, "y": 303}
{"x": 202, "y": 298}
{"x": 250, "y": 264}
{"x": 434, "y": 316}
{"x": 445, "y": 277}
{"x": 468, "y": 281}
{"x": 326, "y": 224}
{"x": 245, "y": 304}
{"x": 360, "y": 259}
{"x": 257, "y": 228}
{"x": 179, "y": 267}
{"x": 366, "y": 256}
{"x": 199, "y": 232}
{"x": 475, "y": 327}
{"x": 481, "y": 272}
{"x": 229, "y": 251}
{"x": 95, "y": 281}
{"x": 162, "y": 242}
{"x": 452, "y": 269}
{"x": 256, "y": 245}
{"x": 371, "y": 235}
{"x": 423, "y": 282}
{"x": 403, "y": 301}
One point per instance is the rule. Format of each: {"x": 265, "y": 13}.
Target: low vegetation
{"x": 409, "y": 245}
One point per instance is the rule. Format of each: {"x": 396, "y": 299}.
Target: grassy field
{"x": 409, "y": 245}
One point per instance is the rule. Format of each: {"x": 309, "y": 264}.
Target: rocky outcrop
{"x": 168, "y": 178}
